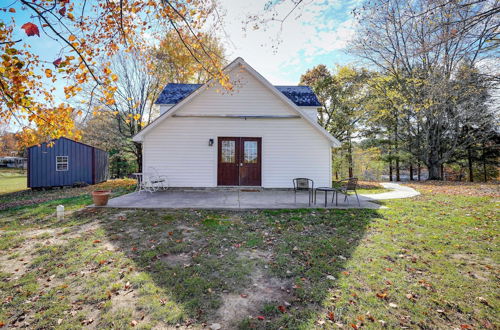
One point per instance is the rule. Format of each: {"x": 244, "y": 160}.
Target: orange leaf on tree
{"x": 30, "y": 29}
{"x": 12, "y": 10}
{"x": 62, "y": 11}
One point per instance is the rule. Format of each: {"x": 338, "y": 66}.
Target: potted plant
{"x": 101, "y": 197}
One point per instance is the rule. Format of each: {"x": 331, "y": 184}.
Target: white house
{"x": 255, "y": 135}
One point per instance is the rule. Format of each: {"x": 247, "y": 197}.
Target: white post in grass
{"x": 60, "y": 212}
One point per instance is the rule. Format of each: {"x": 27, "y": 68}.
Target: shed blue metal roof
{"x": 302, "y": 96}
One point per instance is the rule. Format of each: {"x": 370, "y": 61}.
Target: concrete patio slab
{"x": 234, "y": 200}
{"x": 244, "y": 199}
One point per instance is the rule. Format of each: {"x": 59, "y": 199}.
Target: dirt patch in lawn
{"x": 24, "y": 252}
{"x": 173, "y": 260}
{"x": 263, "y": 289}
{"x": 188, "y": 233}
{"x": 483, "y": 269}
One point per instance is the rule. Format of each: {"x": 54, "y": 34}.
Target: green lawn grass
{"x": 12, "y": 180}
{"x": 427, "y": 262}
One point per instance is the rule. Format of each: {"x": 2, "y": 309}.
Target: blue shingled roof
{"x": 174, "y": 93}
{"x": 303, "y": 96}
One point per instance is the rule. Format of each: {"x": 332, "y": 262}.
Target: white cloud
{"x": 320, "y": 28}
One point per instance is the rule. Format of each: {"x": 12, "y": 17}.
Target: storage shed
{"x": 66, "y": 163}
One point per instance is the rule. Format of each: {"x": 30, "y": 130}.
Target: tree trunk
{"x": 434, "y": 170}
{"x": 419, "y": 171}
{"x": 484, "y": 164}
{"x": 471, "y": 169}
{"x": 396, "y": 147}
{"x": 138, "y": 155}
{"x": 349, "y": 158}
{"x": 441, "y": 171}
{"x": 398, "y": 178}
{"x": 390, "y": 170}
{"x": 411, "y": 172}
{"x": 433, "y": 165}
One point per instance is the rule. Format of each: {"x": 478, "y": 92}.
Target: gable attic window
{"x": 62, "y": 163}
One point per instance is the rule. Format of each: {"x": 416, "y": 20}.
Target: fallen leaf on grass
{"x": 261, "y": 318}
{"x": 411, "y": 296}
{"x": 483, "y": 301}
{"x": 243, "y": 295}
{"x": 331, "y": 316}
{"x": 133, "y": 323}
{"x": 97, "y": 241}
{"x": 382, "y": 295}
{"x": 393, "y": 305}
{"x": 87, "y": 322}
{"x": 282, "y": 308}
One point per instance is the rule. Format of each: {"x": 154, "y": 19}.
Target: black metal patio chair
{"x": 303, "y": 184}
{"x": 347, "y": 185}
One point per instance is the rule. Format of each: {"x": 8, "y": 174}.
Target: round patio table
{"x": 325, "y": 190}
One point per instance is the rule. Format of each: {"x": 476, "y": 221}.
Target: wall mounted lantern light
{"x": 210, "y": 142}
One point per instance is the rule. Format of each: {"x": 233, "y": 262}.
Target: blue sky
{"x": 318, "y": 36}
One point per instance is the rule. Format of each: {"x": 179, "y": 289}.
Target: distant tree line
{"x": 430, "y": 95}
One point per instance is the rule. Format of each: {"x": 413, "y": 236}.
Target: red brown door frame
{"x": 239, "y": 161}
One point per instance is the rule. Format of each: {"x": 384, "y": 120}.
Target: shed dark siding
{"x": 81, "y": 162}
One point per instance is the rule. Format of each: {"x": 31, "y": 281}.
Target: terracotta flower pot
{"x": 100, "y": 197}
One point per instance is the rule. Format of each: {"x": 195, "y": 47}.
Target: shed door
{"x": 239, "y": 161}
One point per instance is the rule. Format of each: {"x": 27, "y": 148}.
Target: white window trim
{"x": 62, "y": 162}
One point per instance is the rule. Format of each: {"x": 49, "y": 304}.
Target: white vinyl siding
{"x": 291, "y": 148}
{"x": 178, "y": 147}
{"x": 164, "y": 108}
{"x": 249, "y": 97}
{"x": 311, "y": 112}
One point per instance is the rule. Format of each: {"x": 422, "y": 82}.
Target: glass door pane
{"x": 250, "y": 152}
{"x": 228, "y": 151}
